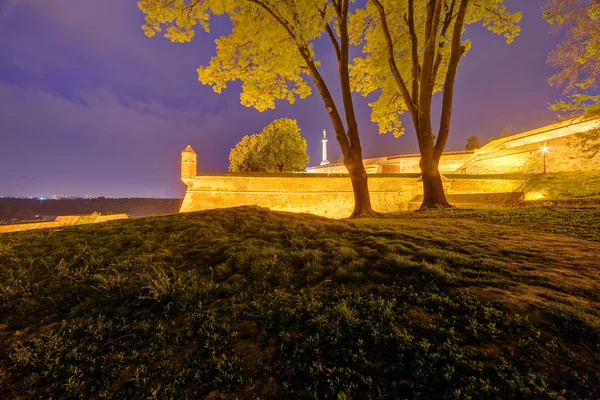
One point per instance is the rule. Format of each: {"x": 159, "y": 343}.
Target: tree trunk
{"x": 434, "y": 195}
{"x": 360, "y": 187}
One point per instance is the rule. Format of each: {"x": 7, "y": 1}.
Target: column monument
{"x": 324, "y": 141}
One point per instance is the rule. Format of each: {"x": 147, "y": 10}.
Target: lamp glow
{"x": 544, "y": 150}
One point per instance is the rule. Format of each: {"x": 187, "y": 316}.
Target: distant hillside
{"x": 25, "y": 209}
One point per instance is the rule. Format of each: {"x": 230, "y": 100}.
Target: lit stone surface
{"x": 327, "y": 191}
{"x": 60, "y": 221}
{"x": 516, "y": 153}
{"x": 329, "y": 196}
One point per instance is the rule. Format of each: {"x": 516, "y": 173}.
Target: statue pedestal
{"x": 324, "y": 162}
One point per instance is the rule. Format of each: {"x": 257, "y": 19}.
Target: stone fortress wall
{"x": 61, "y": 221}
{"x": 326, "y": 196}
{"x": 327, "y": 191}
{"x": 515, "y": 153}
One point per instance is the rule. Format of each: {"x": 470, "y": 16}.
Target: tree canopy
{"x": 396, "y": 34}
{"x": 244, "y": 156}
{"x": 578, "y": 56}
{"x": 472, "y": 143}
{"x": 258, "y": 51}
{"x": 412, "y": 49}
{"x": 278, "y": 148}
{"x": 578, "y": 61}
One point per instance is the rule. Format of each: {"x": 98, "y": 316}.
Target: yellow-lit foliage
{"x": 578, "y": 56}
{"x": 578, "y": 61}
{"x": 259, "y": 51}
{"x": 371, "y": 72}
{"x": 278, "y": 148}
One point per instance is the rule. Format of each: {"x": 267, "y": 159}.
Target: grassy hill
{"x": 248, "y": 303}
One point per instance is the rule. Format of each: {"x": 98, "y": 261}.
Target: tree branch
{"x": 334, "y": 42}
{"x": 427, "y": 83}
{"x": 416, "y": 68}
{"x": 332, "y": 110}
{"x": 408, "y": 100}
{"x": 447, "y": 22}
{"x": 278, "y": 18}
{"x": 331, "y": 34}
{"x": 344, "y": 73}
{"x": 456, "y": 53}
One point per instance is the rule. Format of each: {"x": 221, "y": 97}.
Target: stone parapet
{"x": 510, "y": 154}
{"x": 61, "y": 221}
{"x": 329, "y": 196}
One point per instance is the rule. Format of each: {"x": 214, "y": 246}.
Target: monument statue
{"x": 324, "y": 141}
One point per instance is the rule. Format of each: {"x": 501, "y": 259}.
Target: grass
{"x": 574, "y": 220}
{"x": 553, "y": 186}
{"x": 566, "y": 185}
{"x": 246, "y": 303}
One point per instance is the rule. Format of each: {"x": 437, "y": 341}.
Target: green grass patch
{"x": 246, "y": 303}
{"x": 565, "y": 185}
{"x": 574, "y": 220}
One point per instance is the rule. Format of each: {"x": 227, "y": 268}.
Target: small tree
{"x": 412, "y": 50}
{"x": 472, "y": 143}
{"x": 507, "y": 131}
{"x": 278, "y": 148}
{"x": 244, "y": 156}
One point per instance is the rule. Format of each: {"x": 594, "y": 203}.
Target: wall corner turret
{"x": 188, "y": 165}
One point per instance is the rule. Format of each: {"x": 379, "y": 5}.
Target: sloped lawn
{"x": 246, "y": 303}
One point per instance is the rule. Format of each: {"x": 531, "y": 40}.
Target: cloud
{"x": 103, "y": 41}
{"x": 9, "y": 4}
{"x": 104, "y": 140}
{"x": 27, "y": 65}
{"x": 97, "y": 112}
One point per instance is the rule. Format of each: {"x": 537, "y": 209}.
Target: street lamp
{"x": 544, "y": 150}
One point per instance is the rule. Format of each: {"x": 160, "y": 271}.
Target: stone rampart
{"x": 482, "y": 186}
{"x": 111, "y": 217}
{"x": 61, "y": 221}
{"x": 564, "y": 154}
{"x": 329, "y": 196}
{"x": 403, "y": 164}
{"x": 515, "y": 153}
{"x": 327, "y": 189}
{"x": 34, "y": 225}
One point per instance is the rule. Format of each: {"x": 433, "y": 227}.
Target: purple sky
{"x": 90, "y": 105}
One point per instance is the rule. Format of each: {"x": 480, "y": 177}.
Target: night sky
{"x": 89, "y": 105}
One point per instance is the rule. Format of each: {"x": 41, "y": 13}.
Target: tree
{"x": 243, "y": 157}
{"x": 278, "y": 148}
{"x": 270, "y": 50}
{"x": 472, "y": 143}
{"x": 505, "y": 132}
{"x": 578, "y": 56}
{"x": 412, "y": 50}
{"x": 578, "y": 61}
